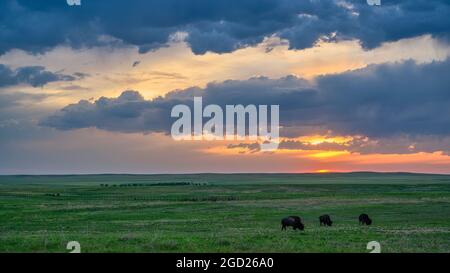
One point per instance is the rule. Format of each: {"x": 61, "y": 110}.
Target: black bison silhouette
{"x": 292, "y": 221}
{"x": 364, "y": 219}
{"x": 325, "y": 220}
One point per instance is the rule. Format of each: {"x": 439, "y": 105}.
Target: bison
{"x": 364, "y": 219}
{"x": 292, "y": 221}
{"x": 325, "y": 220}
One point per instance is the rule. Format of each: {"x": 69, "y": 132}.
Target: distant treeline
{"x": 214, "y": 198}
{"x": 52, "y": 194}
{"x": 156, "y": 184}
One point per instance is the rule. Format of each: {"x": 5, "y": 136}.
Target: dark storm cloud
{"x": 127, "y": 113}
{"x": 379, "y": 101}
{"x": 35, "y": 76}
{"x": 217, "y": 26}
{"x": 388, "y": 99}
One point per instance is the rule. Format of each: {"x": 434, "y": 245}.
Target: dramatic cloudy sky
{"x": 89, "y": 89}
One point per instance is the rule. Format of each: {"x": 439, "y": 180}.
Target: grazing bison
{"x": 292, "y": 221}
{"x": 325, "y": 220}
{"x": 364, "y": 219}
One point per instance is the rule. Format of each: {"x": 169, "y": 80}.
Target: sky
{"x": 89, "y": 89}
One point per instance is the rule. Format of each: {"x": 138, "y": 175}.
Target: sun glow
{"x": 328, "y": 154}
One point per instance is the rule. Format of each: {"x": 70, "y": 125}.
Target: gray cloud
{"x": 380, "y": 101}
{"x": 363, "y": 145}
{"x": 127, "y": 113}
{"x": 392, "y": 145}
{"x": 73, "y": 87}
{"x": 218, "y": 26}
{"x": 81, "y": 75}
{"x": 13, "y": 99}
{"x": 136, "y": 63}
{"x": 35, "y": 76}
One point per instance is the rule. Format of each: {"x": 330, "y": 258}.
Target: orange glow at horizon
{"x": 328, "y": 154}
{"x": 319, "y": 139}
{"x": 323, "y": 161}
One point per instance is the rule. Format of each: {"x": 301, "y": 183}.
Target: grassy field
{"x": 224, "y": 213}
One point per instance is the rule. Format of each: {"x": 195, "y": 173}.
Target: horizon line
{"x": 229, "y": 173}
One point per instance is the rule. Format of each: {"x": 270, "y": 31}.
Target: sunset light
{"x": 248, "y": 127}
{"x": 322, "y": 171}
